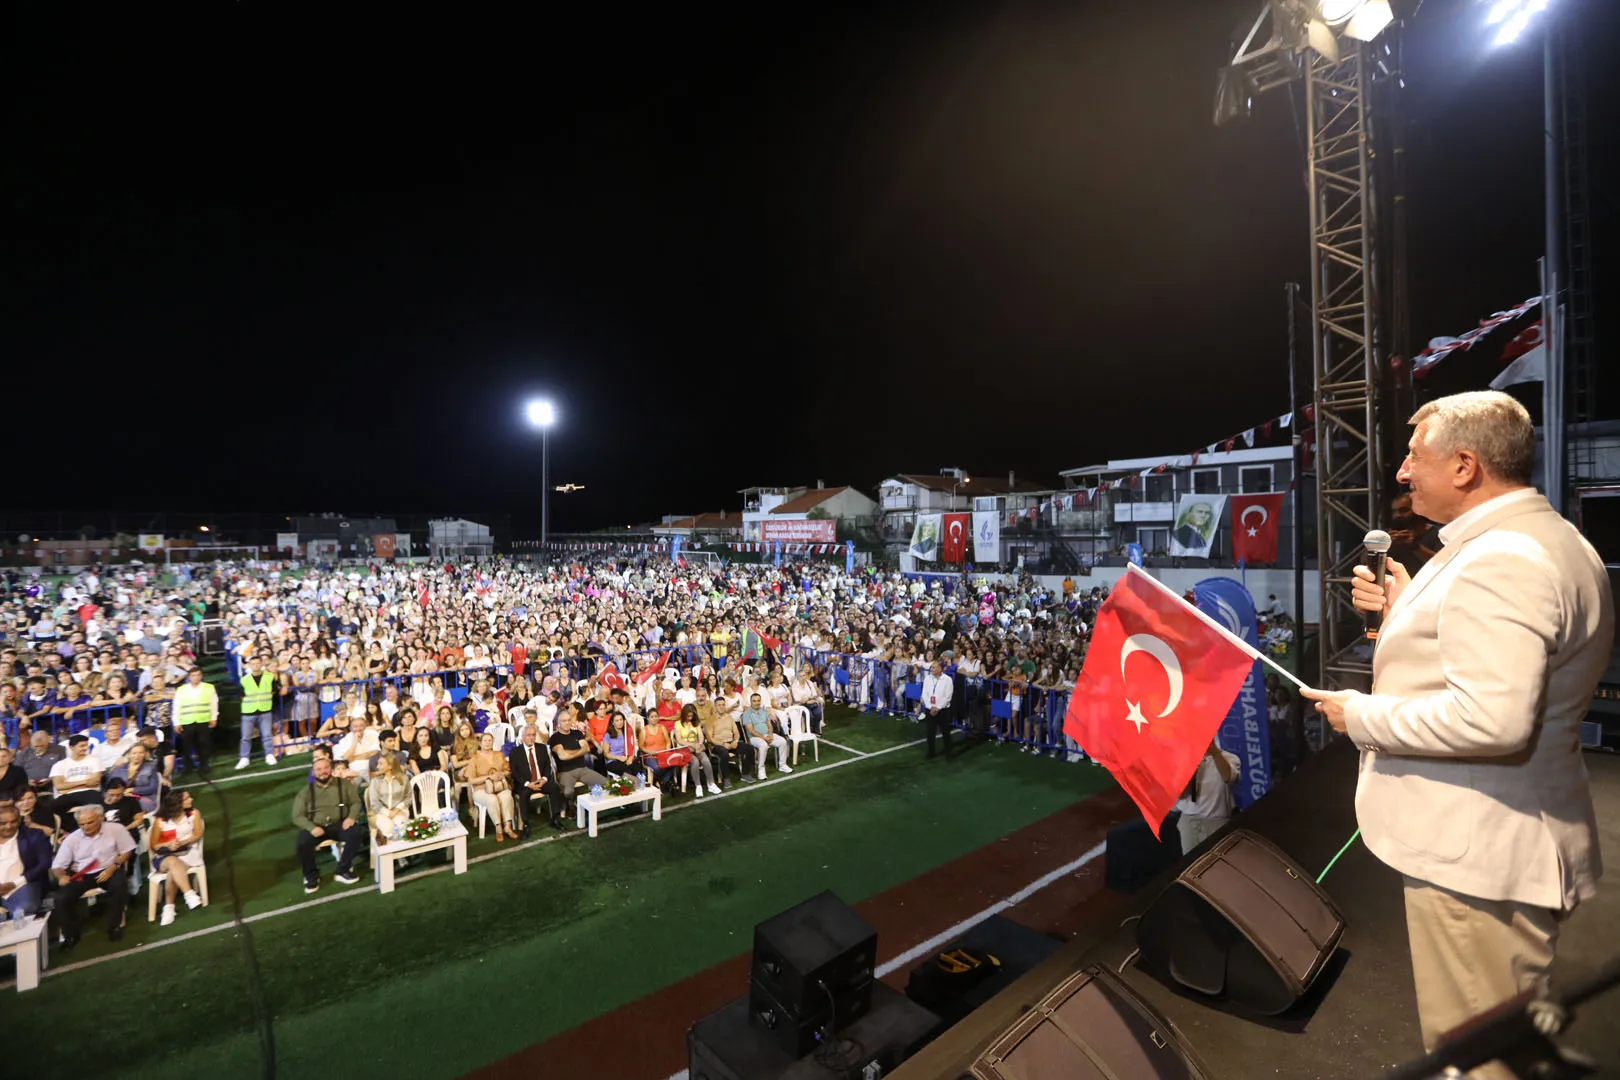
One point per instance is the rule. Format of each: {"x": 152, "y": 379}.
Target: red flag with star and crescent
{"x": 956, "y": 528}
{"x": 1157, "y": 682}
{"x": 1254, "y": 527}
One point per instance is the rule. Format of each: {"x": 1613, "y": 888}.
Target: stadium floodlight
{"x": 1271, "y": 54}
{"x": 541, "y": 413}
{"x": 1512, "y": 17}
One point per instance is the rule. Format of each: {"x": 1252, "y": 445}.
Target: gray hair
{"x": 1488, "y": 422}
{"x": 89, "y": 810}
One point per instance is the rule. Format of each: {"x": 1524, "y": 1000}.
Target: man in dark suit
{"x": 532, "y": 777}
{"x": 23, "y": 875}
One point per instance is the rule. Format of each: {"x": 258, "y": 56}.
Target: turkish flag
{"x": 1523, "y": 342}
{"x": 654, "y": 668}
{"x": 1255, "y": 519}
{"x": 612, "y": 679}
{"x": 957, "y": 528}
{"x": 1155, "y": 687}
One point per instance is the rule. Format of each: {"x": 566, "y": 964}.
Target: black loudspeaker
{"x": 1135, "y": 856}
{"x": 211, "y": 638}
{"x": 812, "y": 970}
{"x": 727, "y": 1046}
{"x": 1244, "y": 922}
{"x": 1092, "y": 1027}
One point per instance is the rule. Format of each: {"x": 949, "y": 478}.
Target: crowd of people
{"x": 523, "y": 684}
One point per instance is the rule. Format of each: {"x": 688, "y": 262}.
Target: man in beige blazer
{"x": 1471, "y": 782}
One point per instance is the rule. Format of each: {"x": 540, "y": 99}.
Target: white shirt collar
{"x": 1458, "y": 525}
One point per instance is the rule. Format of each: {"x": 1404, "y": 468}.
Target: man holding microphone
{"x": 1471, "y": 780}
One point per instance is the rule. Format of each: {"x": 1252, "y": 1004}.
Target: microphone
{"x": 1376, "y": 543}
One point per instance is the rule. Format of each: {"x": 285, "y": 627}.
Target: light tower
{"x": 542, "y": 414}
{"x": 1324, "y": 44}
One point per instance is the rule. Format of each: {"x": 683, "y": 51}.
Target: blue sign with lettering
{"x": 1246, "y": 730}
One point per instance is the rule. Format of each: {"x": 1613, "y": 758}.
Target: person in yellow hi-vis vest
{"x": 258, "y": 698}
{"x": 196, "y": 714}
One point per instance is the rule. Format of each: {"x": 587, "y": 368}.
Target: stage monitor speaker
{"x": 1243, "y": 922}
{"x": 1134, "y": 856}
{"x": 817, "y": 955}
{"x": 1092, "y": 1027}
{"x": 726, "y": 1045}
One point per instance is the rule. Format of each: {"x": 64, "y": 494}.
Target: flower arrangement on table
{"x": 422, "y": 828}
{"x": 621, "y": 785}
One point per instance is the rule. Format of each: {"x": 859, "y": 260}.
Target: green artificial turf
{"x": 451, "y": 972}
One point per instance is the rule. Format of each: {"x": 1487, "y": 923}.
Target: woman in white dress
{"x": 176, "y": 846}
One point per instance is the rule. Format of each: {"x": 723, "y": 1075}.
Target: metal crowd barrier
{"x": 1027, "y": 716}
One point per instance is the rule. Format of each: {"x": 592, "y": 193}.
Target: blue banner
{"x": 779, "y": 553}
{"x": 849, "y": 556}
{"x": 1133, "y": 552}
{"x": 675, "y": 549}
{"x": 1246, "y": 730}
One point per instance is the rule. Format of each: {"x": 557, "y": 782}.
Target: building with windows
{"x": 457, "y": 538}
{"x": 905, "y": 495}
{"x": 1143, "y": 511}
{"x": 769, "y": 513}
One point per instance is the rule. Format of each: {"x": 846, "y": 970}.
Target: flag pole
{"x": 1132, "y": 568}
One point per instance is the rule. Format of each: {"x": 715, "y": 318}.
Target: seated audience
{"x": 326, "y": 809}
{"x": 176, "y": 848}
{"x": 25, "y": 864}
{"x": 491, "y": 788}
{"x": 532, "y": 777}
{"x": 94, "y": 856}
{"x": 756, "y": 722}
{"x": 388, "y": 795}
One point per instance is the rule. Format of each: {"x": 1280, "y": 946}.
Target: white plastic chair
{"x": 798, "y": 726}
{"x": 431, "y": 790}
{"x": 503, "y": 733}
{"x": 199, "y": 874}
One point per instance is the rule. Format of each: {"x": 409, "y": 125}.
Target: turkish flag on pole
{"x": 1157, "y": 682}
{"x": 1254, "y": 527}
{"x": 957, "y": 529}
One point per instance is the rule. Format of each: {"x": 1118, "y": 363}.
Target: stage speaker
{"x": 727, "y": 1046}
{"x": 1243, "y": 922}
{"x": 1092, "y": 1027}
{"x": 211, "y": 638}
{"x": 1134, "y": 856}
{"x": 812, "y": 969}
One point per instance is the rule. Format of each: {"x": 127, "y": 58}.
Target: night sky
{"x": 264, "y": 257}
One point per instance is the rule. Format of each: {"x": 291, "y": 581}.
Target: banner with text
{"x": 150, "y": 542}
{"x": 986, "y": 536}
{"x": 1246, "y": 731}
{"x": 810, "y": 530}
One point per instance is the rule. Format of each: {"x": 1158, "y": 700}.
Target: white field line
{"x": 361, "y": 890}
{"x": 916, "y": 952}
{"x": 245, "y": 774}
{"x": 851, "y": 749}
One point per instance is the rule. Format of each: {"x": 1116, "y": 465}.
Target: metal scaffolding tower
{"x": 1289, "y": 42}
{"x": 1345, "y": 346}
{"x": 1566, "y": 61}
